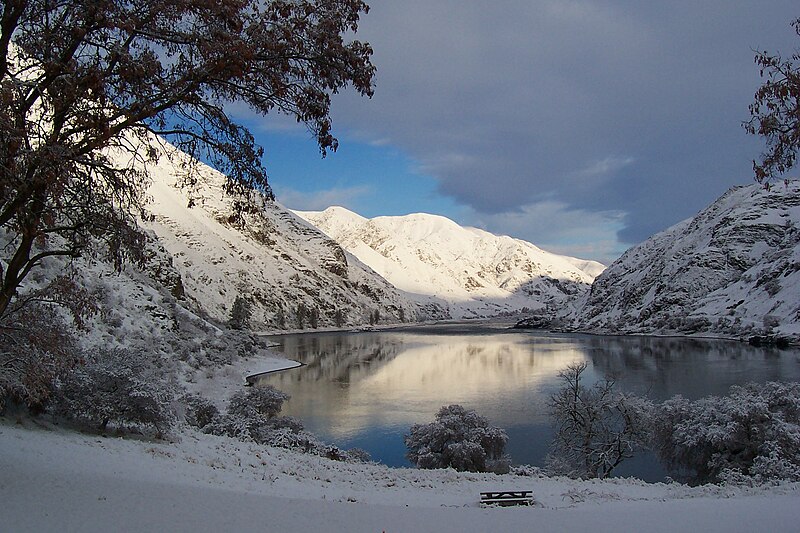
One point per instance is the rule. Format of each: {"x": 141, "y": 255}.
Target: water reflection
{"x": 664, "y": 367}
{"x": 367, "y": 389}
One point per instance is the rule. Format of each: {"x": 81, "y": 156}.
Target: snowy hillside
{"x": 273, "y": 259}
{"x": 734, "y": 269}
{"x": 475, "y": 272}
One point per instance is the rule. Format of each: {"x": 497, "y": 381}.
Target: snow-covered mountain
{"x": 274, "y": 259}
{"x": 734, "y": 269}
{"x": 475, "y": 273}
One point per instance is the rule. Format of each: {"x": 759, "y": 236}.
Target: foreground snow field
{"x": 57, "y": 480}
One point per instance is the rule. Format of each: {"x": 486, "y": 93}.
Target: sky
{"x": 581, "y": 126}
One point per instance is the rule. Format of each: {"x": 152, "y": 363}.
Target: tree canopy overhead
{"x": 78, "y": 77}
{"x": 775, "y": 113}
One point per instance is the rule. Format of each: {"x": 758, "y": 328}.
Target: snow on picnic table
{"x": 52, "y": 479}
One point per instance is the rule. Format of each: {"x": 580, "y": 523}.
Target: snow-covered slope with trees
{"x": 474, "y": 272}
{"x": 293, "y": 275}
{"x": 734, "y": 269}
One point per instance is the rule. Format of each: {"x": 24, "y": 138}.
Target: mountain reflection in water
{"x": 367, "y": 389}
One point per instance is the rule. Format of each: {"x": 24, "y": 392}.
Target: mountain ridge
{"x": 731, "y": 270}
{"x": 272, "y": 258}
{"x": 476, "y": 273}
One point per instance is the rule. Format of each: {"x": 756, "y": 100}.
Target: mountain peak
{"x": 476, "y": 273}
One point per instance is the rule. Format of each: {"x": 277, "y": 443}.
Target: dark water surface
{"x": 366, "y": 389}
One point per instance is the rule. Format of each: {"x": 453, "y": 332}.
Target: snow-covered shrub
{"x": 199, "y": 411}
{"x": 300, "y": 441}
{"x": 118, "y": 386}
{"x": 526, "y": 470}
{"x": 458, "y": 438}
{"x": 252, "y": 416}
{"x": 771, "y": 322}
{"x": 596, "y": 428}
{"x": 357, "y": 455}
{"x": 288, "y": 422}
{"x": 334, "y": 453}
{"x": 753, "y": 432}
{"x": 229, "y": 426}
{"x": 255, "y": 402}
{"x": 35, "y": 349}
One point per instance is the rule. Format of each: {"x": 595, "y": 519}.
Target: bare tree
{"x": 80, "y": 79}
{"x": 775, "y": 113}
{"x": 596, "y": 427}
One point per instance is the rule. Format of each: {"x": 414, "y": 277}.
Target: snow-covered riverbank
{"x": 54, "y": 479}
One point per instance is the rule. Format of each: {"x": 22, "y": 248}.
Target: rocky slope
{"x": 475, "y": 273}
{"x": 734, "y": 269}
{"x": 286, "y": 268}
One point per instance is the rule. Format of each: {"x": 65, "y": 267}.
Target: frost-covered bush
{"x": 526, "y": 470}
{"x": 753, "y": 432}
{"x": 199, "y": 411}
{"x": 771, "y": 322}
{"x": 36, "y": 347}
{"x": 459, "y": 438}
{"x": 301, "y": 441}
{"x": 357, "y": 455}
{"x": 287, "y": 422}
{"x": 255, "y": 402}
{"x": 118, "y": 386}
{"x": 596, "y": 428}
{"x": 229, "y": 426}
{"x": 252, "y": 416}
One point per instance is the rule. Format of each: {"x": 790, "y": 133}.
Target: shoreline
{"x": 252, "y": 378}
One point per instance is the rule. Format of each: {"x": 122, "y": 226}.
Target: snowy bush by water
{"x": 752, "y": 434}
{"x": 459, "y": 438}
{"x": 252, "y": 415}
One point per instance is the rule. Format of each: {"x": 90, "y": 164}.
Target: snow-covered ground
{"x": 52, "y": 479}
{"x": 219, "y": 383}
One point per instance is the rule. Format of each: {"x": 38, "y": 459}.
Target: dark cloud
{"x": 603, "y": 106}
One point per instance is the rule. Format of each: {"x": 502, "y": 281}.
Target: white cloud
{"x": 621, "y": 105}
{"x": 318, "y": 200}
{"x": 556, "y": 227}
{"x": 606, "y": 166}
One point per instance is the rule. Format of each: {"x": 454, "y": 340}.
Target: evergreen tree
{"x": 301, "y": 315}
{"x": 241, "y": 311}
{"x": 280, "y": 318}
